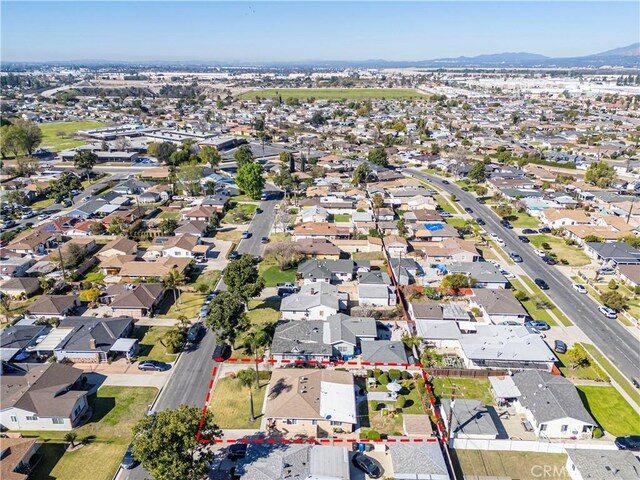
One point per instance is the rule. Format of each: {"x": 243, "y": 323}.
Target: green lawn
{"x": 372, "y": 415}
{"x": 538, "y": 293}
{"x": 273, "y": 275}
{"x": 445, "y": 205}
{"x": 342, "y": 217}
{"x": 241, "y": 213}
{"x": 47, "y": 202}
{"x": 264, "y": 311}
{"x": 150, "y": 347}
{"x": 530, "y": 305}
{"x": 517, "y": 465}
{"x": 574, "y": 256}
{"x": 58, "y": 136}
{"x": 613, "y": 372}
{"x": 633, "y": 302}
{"x": 210, "y": 279}
{"x": 94, "y": 275}
{"x": 334, "y": 93}
{"x": 467, "y": 388}
{"x": 457, "y": 222}
{"x": 189, "y": 304}
{"x": 592, "y": 372}
{"x": 115, "y": 411}
{"x": 169, "y": 214}
{"x": 524, "y": 220}
{"x": 610, "y": 410}
{"x": 230, "y": 403}
{"x": 233, "y": 235}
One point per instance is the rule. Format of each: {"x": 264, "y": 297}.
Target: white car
{"x": 540, "y": 253}
{"x": 578, "y": 287}
{"x": 608, "y": 312}
{"x": 494, "y": 263}
{"x": 494, "y": 236}
{"x": 501, "y": 242}
{"x": 507, "y": 274}
{"x": 43, "y": 217}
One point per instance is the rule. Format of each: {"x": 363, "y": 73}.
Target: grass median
{"x": 561, "y": 316}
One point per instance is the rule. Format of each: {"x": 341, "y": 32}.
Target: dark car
{"x": 628, "y": 442}
{"x": 129, "y": 461}
{"x": 506, "y": 224}
{"x": 480, "y": 221}
{"x": 246, "y": 234}
{"x": 264, "y": 240}
{"x": 541, "y": 283}
{"x": 523, "y": 239}
{"x": 515, "y": 257}
{"x": 529, "y": 231}
{"x": 258, "y": 211}
{"x": 446, "y": 182}
{"x": 237, "y": 451}
{"x": 234, "y": 255}
{"x": 468, "y": 210}
{"x": 538, "y": 325}
{"x": 465, "y": 189}
{"x": 193, "y": 335}
{"x": 368, "y": 465}
{"x": 221, "y": 352}
{"x": 544, "y": 230}
{"x": 559, "y": 346}
{"x": 548, "y": 260}
{"x": 153, "y": 365}
{"x": 481, "y": 200}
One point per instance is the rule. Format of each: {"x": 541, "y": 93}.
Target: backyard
{"x": 333, "y": 93}
{"x": 169, "y": 214}
{"x": 467, "y": 388}
{"x": 273, "y": 275}
{"x": 508, "y": 464}
{"x": 149, "y": 339}
{"x": 574, "y": 256}
{"x": 610, "y": 410}
{"x": 58, "y": 136}
{"x": 230, "y": 403}
{"x": 115, "y": 411}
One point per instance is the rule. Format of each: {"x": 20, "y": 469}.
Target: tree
{"x": 179, "y": 157}
{"x": 285, "y": 252}
{"x": 19, "y": 197}
{"x": 612, "y": 285}
{"x": 378, "y": 203}
{"x": 402, "y": 227}
{"x": 600, "y": 173}
{"x": 116, "y": 227}
{"x": 168, "y": 443}
{"x": 90, "y": 295}
{"x": 477, "y": 172}
{"x": 456, "y": 281}
{"x": 378, "y": 156}
{"x": 503, "y": 211}
{"x": 26, "y": 167}
{"x": 96, "y": 228}
{"x": 593, "y": 238}
{"x": 189, "y": 177}
{"x": 46, "y": 284}
{"x": 64, "y": 185}
{"x": 227, "y": 316}
{"x": 163, "y": 151}
{"x": 10, "y": 141}
{"x": 74, "y": 255}
{"x": 249, "y": 179}
{"x": 209, "y": 155}
{"x": 173, "y": 280}
{"x": 30, "y": 136}
{"x": 245, "y": 379}
{"x": 361, "y": 174}
{"x": 71, "y": 438}
{"x": 614, "y": 300}
{"x": 173, "y": 339}
{"x": 85, "y": 160}
{"x": 631, "y": 240}
{"x": 317, "y": 119}
{"x": 578, "y": 358}
{"x": 167, "y": 226}
{"x": 243, "y": 155}
{"x": 241, "y": 277}
{"x": 5, "y": 307}
{"x": 253, "y": 344}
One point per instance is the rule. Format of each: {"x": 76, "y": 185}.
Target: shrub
{"x": 612, "y": 285}
{"x": 383, "y": 379}
{"x": 564, "y": 261}
{"x": 394, "y": 374}
{"x": 400, "y": 402}
{"x": 379, "y": 406}
{"x": 405, "y": 375}
{"x": 597, "y": 432}
{"x": 376, "y": 373}
{"x": 373, "y": 435}
{"x": 520, "y": 295}
{"x": 546, "y": 246}
{"x": 421, "y": 385}
{"x": 636, "y": 290}
{"x": 370, "y": 373}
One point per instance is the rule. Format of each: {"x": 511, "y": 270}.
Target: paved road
{"x": 261, "y": 224}
{"x": 608, "y": 335}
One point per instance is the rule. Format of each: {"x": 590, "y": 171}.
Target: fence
{"x": 465, "y": 373}
{"x": 528, "y": 445}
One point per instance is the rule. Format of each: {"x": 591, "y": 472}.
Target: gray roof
{"x": 323, "y": 294}
{"x": 505, "y": 343}
{"x": 619, "y": 252}
{"x": 498, "y": 301}
{"x": 417, "y": 460}
{"x": 427, "y": 310}
{"x": 324, "y": 268}
{"x": 300, "y": 337}
{"x": 374, "y": 277}
{"x": 105, "y": 331}
{"x": 454, "y": 312}
{"x": 605, "y": 464}
{"x": 387, "y": 351}
{"x": 470, "y": 417}
{"x": 483, "y": 272}
{"x": 19, "y": 336}
{"x": 343, "y": 328}
{"x": 550, "y": 397}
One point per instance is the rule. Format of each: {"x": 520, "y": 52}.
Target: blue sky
{"x": 285, "y": 31}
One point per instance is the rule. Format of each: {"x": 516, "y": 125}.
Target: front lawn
{"x": 610, "y": 410}
{"x": 273, "y": 275}
{"x": 169, "y": 214}
{"x": 264, "y": 311}
{"x": 58, "y": 136}
{"x": 94, "y": 275}
{"x": 230, "y": 404}
{"x": 47, "y": 202}
{"x": 538, "y": 293}
{"x": 445, "y": 205}
{"x": 592, "y": 372}
{"x": 573, "y": 255}
{"x": 231, "y": 235}
{"x": 467, "y": 388}
{"x": 508, "y": 464}
{"x": 115, "y": 411}
{"x": 523, "y": 220}
{"x": 457, "y": 222}
{"x": 240, "y": 213}
{"x": 530, "y": 305}
{"x": 210, "y": 279}
{"x": 149, "y": 339}
{"x": 189, "y": 304}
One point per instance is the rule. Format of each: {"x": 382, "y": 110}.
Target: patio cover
{"x": 504, "y": 387}
{"x": 123, "y": 345}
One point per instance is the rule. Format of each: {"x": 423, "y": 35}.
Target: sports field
{"x": 58, "y": 136}
{"x": 335, "y": 93}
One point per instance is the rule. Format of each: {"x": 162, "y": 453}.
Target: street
{"x": 608, "y": 335}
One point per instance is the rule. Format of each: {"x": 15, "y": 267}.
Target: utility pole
{"x": 633, "y": 201}
{"x": 61, "y": 262}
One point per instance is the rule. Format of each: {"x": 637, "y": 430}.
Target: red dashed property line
{"x": 274, "y": 440}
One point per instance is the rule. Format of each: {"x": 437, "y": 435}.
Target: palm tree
{"x": 253, "y": 343}
{"x": 71, "y": 438}
{"x": 245, "y": 378}
{"x": 172, "y": 281}
{"x": 5, "y": 307}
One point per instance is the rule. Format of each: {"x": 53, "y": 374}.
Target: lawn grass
{"x": 115, "y": 411}
{"x": 610, "y": 410}
{"x": 47, "y": 202}
{"x": 445, "y": 205}
{"x": 561, "y": 316}
{"x": 58, "y": 136}
{"x": 231, "y": 407}
{"x": 342, "y": 217}
{"x": 189, "y": 304}
{"x": 613, "y": 372}
{"x": 508, "y": 464}
{"x": 264, "y": 311}
{"x": 232, "y": 235}
{"x": 633, "y": 303}
{"x": 457, "y": 222}
{"x": 168, "y": 214}
{"x": 150, "y": 347}
{"x": 574, "y": 256}
{"x": 592, "y": 372}
{"x": 273, "y": 275}
{"x": 530, "y": 305}
{"x": 240, "y": 213}
{"x": 94, "y": 275}
{"x": 334, "y": 93}
{"x": 467, "y": 388}
{"x": 210, "y": 279}
{"x": 523, "y": 220}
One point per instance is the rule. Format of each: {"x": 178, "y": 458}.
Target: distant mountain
{"x": 632, "y": 50}
{"x": 493, "y": 59}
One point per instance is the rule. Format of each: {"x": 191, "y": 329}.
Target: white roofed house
{"x": 315, "y": 301}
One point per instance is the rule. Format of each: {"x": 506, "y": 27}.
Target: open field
{"x": 334, "y": 93}
{"x": 58, "y": 136}
{"x": 613, "y": 372}
{"x": 610, "y": 409}
{"x": 574, "y": 256}
{"x": 115, "y": 411}
{"x": 517, "y": 465}
{"x": 231, "y": 404}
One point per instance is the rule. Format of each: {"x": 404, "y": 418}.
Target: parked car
{"x": 515, "y": 257}
{"x": 480, "y": 221}
{"x": 481, "y": 200}
{"x": 506, "y": 224}
{"x": 204, "y": 311}
{"x": 221, "y": 352}
{"x": 445, "y": 182}
{"x": 264, "y": 240}
{"x": 529, "y": 231}
{"x": 367, "y": 464}
{"x": 541, "y": 284}
{"x": 468, "y": 210}
{"x": 606, "y": 271}
{"x": 465, "y": 189}
{"x": 501, "y": 242}
{"x": 578, "y": 287}
{"x": 153, "y": 365}
{"x": 264, "y": 196}
{"x": 234, "y": 255}
{"x": 628, "y": 442}
{"x": 258, "y": 211}
{"x": 193, "y": 334}
{"x": 446, "y": 215}
{"x": 43, "y": 216}
{"x": 245, "y": 234}
{"x": 523, "y": 239}
{"x": 26, "y": 215}
{"x": 540, "y": 253}
{"x": 608, "y": 312}
{"x": 129, "y": 461}
{"x": 559, "y": 346}
{"x": 538, "y": 325}
{"x": 507, "y": 274}
{"x": 549, "y": 260}
{"x": 237, "y": 451}
{"x": 544, "y": 230}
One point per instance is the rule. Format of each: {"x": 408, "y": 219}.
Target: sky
{"x": 301, "y": 31}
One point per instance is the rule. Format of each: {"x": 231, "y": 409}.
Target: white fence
{"x": 529, "y": 445}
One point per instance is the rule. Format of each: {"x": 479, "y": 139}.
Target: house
{"x": 315, "y": 214}
{"x": 328, "y": 231}
{"x": 192, "y": 227}
{"x": 497, "y": 306}
{"x": 314, "y": 301}
{"x": 602, "y": 465}
{"x": 470, "y": 419}
{"x": 119, "y": 246}
{"x": 318, "y": 248}
{"x": 330, "y": 271}
{"x": 217, "y": 202}
{"x": 555, "y": 218}
{"x": 396, "y": 245}
{"x": 92, "y": 339}
{"x": 293, "y": 460}
{"x": 552, "y": 405}
{"x": 158, "y": 268}
{"x": 44, "y": 397}
{"x": 347, "y": 334}
{"x": 485, "y": 274}
{"x": 16, "y": 457}
{"x": 630, "y": 274}
{"x": 296, "y": 340}
{"x": 53, "y": 306}
{"x": 385, "y": 351}
{"x": 312, "y": 402}
{"x": 14, "y": 266}
{"x": 20, "y": 287}
{"x": 376, "y": 295}
{"x": 418, "y": 461}
{"x": 616, "y": 253}
{"x": 406, "y": 270}
{"x": 34, "y": 242}
{"x": 113, "y": 265}
{"x": 18, "y": 338}
{"x": 185, "y": 245}
{"x": 447, "y": 251}
{"x": 133, "y": 300}
{"x": 202, "y": 213}
{"x": 131, "y": 186}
